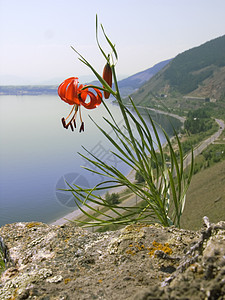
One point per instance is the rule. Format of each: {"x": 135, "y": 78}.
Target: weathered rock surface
{"x": 138, "y": 262}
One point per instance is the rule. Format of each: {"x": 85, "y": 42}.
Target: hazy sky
{"x": 35, "y": 35}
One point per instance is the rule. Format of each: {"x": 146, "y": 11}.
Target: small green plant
{"x": 198, "y": 121}
{"x": 2, "y": 260}
{"x": 139, "y": 178}
{"x": 112, "y": 198}
{"x": 164, "y": 186}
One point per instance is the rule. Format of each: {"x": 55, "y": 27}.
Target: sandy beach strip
{"x": 77, "y": 213}
{"x": 67, "y": 218}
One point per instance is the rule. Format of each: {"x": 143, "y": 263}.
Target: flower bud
{"x": 107, "y": 76}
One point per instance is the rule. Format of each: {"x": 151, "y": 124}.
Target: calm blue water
{"x": 37, "y": 155}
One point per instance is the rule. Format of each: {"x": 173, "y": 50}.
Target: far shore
{"x": 131, "y": 175}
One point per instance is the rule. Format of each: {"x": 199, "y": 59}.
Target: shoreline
{"x": 70, "y": 217}
{"x": 131, "y": 175}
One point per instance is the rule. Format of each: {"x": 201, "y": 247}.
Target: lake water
{"x": 37, "y": 155}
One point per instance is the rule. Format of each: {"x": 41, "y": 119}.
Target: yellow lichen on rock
{"x": 158, "y": 246}
{"x": 32, "y": 224}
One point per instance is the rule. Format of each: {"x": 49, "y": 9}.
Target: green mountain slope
{"x": 132, "y": 83}
{"x": 198, "y": 72}
{"x": 192, "y": 67}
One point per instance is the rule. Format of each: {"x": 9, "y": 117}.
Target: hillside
{"x": 205, "y": 197}
{"x": 132, "y": 83}
{"x": 198, "y": 72}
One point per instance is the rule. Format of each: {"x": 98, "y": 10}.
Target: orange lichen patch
{"x": 132, "y": 252}
{"x": 100, "y": 280}
{"x": 135, "y": 248}
{"x": 67, "y": 280}
{"x": 158, "y": 246}
{"x": 66, "y": 240}
{"x": 140, "y": 247}
{"x": 160, "y": 277}
{"x": 33, "y": 224}
{"x": 15, "y": 295}
{"x": 136, "y": 227}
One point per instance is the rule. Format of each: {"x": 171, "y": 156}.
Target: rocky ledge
{"x": 137, "y": 262}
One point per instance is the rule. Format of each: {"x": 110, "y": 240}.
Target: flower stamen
{"x": 82, "y": 123}
{"x": 70, "y": 112}
{"x": 72, "y": 121}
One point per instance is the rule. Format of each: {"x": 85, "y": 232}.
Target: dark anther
{"x": 74, "y": 124}
{"x": 63, "y": 122}
{"x": 82, "y": 127}
{"x": 71, "y": 126}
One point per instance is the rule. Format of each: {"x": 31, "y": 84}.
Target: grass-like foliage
{"x": 163, "y": 190}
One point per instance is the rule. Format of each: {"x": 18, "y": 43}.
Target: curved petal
{"x": 71, "y": 93}
{"x": 67, "y": 91}
{"x": 82, "y": 93}
{"x": 99, "y": 96}
{"x": 95, "y": 100}
{"x": 62, "y": 89}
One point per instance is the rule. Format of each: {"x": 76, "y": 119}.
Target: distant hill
{"x": 198, "y": 72}
{"x": 132, "y": 83}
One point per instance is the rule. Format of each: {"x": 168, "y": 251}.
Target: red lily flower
{"x": 71, "y": 93}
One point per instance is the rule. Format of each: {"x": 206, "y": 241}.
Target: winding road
{"x": 204, "y": 144}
